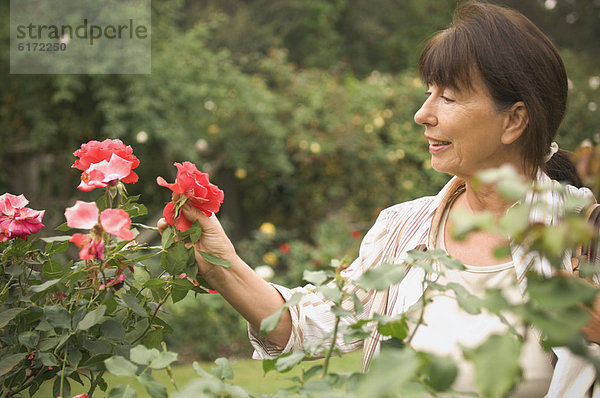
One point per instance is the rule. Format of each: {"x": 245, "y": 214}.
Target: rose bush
{"x": 66, "y": 320}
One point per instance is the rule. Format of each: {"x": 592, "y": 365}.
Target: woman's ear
{"x": 517, "y": 119}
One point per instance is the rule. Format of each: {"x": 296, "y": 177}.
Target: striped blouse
{"x": 398, "y": 230}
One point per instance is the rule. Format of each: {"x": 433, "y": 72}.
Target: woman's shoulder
{"x": 417, "y": 209}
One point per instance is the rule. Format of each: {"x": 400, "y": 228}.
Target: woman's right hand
{"x": 213, "y": 239}
{"x": 250, "y": 295}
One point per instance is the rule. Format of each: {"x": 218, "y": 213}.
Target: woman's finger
{"x": 162, "y": 225}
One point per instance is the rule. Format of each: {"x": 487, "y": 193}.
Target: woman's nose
{"x": 426, "y": 115}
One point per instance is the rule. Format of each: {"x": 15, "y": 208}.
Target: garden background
{"x": 300, "y": 110}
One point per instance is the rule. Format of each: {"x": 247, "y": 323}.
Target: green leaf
{"x": 29, "y": 339}
{"x": 500, "y": 353}
{"x": 163, "y": 360}
{"x": 223, "y": 371}
{"x": 135, "y": 209}
{"x": 201, "y": 372}
{"x": 397, "y": 329}
{"x": 61, "y": 387}
{"x": 312, "y": 372}
{"x": 270, "y": 323}
{"x": 451, "y": 263}
{"x": 141, "y": 258}
{"x": 340, "y": 312}
{"x": 358, "y": 306}
{"x": 44, "y": 286}
{"x": 215, "y": 260}
{"x": 167, "y": 237}
{"x": 119, "y": 366}
{"x": 63, "y": 227}
{"x": 74, "y": 355}
{"x": 287, "y": 361}
{"x": 7, "y": 363}
{"x": 559, "y": 291}
{"x": 8, "y": 315}
{"x": 439, "y": 372}
{"x": 112, "y": 330}
{"x": 53, "y": 269}
{"x": 331, "y": 293}
{"x": 57, "y": 316}
{"x": 194, "y": 232}
{"x": 132, "y": 303}
{"x": 142, "y": 355}
{"x": 155, "y": 283}
{"x": 317, "y": 278}
{"x": 95, "y": 360}
{"x": 48, "y": 359}
{"x": 382, "y": 276}
{"x": 14, "y": 270}
{"x": 122, "y": 391}
{"x": 59, "y": 238}
{"x": 154, "y": 337}
{"x": 154, "y": 388}
{"x": 91, "y": 318}
{"x": 466, "y": 300}
{"x": 181, "y": 287}
{"x": 175, "y": 259}
{"x": 390, "y": 373}
{"x": 97, "y": 347}
{"x": 268, "y": 365}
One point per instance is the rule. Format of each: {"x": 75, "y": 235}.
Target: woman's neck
{"x": 478, "y": 197}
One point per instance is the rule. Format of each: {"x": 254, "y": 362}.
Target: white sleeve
{"x": 312, "y": 319}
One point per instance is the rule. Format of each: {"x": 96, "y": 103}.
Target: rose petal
{"x": 173, "y": 187}
{"x": 82, "y": 215}
{"x": 169, "y": 213}
{"x": 117, "y": 222}
{"x": 182, "y": 223}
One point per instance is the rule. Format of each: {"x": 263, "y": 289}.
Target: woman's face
{"x": 465, "y": 130}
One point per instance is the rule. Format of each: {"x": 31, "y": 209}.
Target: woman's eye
{"x": 446, "y": 99}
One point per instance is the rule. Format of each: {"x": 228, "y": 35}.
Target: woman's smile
{"x": 436, "y": 146}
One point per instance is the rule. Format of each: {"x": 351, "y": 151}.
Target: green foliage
{"x": 223, "y": 333}
{"x": 63, "y": 321}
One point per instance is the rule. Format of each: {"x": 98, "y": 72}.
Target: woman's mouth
{"x": 438, "y": 146}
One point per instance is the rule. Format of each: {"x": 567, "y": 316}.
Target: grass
{"x": 248, "y": 374}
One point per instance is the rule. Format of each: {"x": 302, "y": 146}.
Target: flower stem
{"x": 62, "y": 373}
{"x": 331, "y": 347}
{"x": 169, "y": 370}
{"x": 422, "y": 312}
{"x": 152, "y": 318}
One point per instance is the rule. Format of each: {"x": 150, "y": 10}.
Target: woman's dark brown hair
{"x": 518, "y": 63}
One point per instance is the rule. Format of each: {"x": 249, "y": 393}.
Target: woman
{"x": 496, "y": 95}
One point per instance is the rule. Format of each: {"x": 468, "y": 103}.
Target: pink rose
{"x": 102, "y": 174}
{"x": 95, "y": 152}
{"x": 84, "y": 215}
{"x": 116, "y": 282}
{"x": 16, "y": 220}
{"x": 195, "y": 186}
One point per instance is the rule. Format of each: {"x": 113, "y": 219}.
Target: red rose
{"x": 195, "y": 186}
{"x": 95, "y": 152}
{"x": 285, "y": 248}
